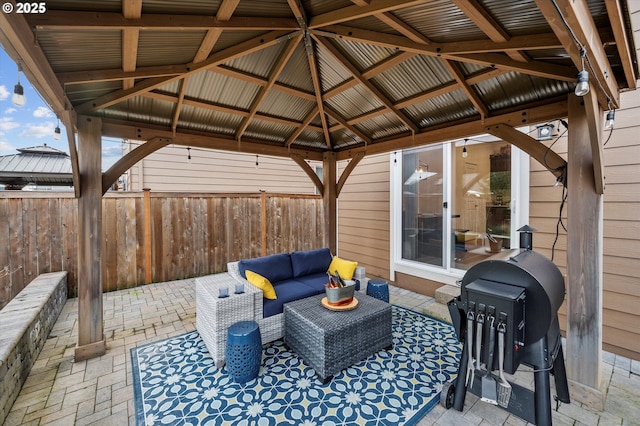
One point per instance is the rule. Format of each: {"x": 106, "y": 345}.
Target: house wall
{"x": 363, "y": 215}
{"x": 621, "y": 227}
{"x": 169, "y": 169}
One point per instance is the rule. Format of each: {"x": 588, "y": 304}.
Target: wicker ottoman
{"x": 331, "y": 341}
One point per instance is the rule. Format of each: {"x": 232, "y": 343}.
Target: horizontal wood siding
{"x": 621, "y": 227}
{"x": 192, "y": 234}
{"x": 363, "y": 215}
{"x": 168, "y": 169}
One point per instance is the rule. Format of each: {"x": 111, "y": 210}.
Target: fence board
{"x": 191, "y": 235}
{"x": 43, "y": 236}
{"x": 16, "y": 242}
{"x": 140, "y": 243}
{"x": 29, "y": 239}
{"x": 56, "y": 251}
{"x": 5, "y": 254}
{"x": 109, "y": 244}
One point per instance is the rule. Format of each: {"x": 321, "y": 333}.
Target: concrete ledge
{"x": 25, "y": 324}
{"x": 447, "y": 293}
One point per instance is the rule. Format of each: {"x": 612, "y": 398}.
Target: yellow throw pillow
{"x": 345, "y": 268}
{"x": 262, "y": 283}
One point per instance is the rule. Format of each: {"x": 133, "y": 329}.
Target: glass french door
{"x": 456, "y": 203}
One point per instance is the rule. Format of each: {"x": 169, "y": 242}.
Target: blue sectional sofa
{"x": 294, "y": 276}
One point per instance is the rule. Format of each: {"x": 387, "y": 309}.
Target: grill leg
{"x": 460, "y": 390}
{"x": 541, "y": 363}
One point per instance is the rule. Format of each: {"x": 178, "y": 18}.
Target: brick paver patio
{"x": 99, "y": 391}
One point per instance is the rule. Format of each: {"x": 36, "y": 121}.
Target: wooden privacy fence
{"x": 151, "y": 237}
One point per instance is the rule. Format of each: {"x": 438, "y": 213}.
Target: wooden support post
{"x": 330, "y": 201}
{"x": 584, "y": 265}
{"x": 148, "y": 276}
{"x": 91, "y": 340}
{"x": 263, "y": 228}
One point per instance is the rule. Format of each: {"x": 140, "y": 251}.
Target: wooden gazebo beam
{"x": 17, "y": 39}
{"x": 576, "y": 16}
{"x": 131, "y": 158}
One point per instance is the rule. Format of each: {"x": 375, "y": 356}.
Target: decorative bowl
{"x": 340, "y": 295}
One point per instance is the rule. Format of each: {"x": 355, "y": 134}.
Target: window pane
{"x": 481, "y": 201}
{"x": 422, "y": 206}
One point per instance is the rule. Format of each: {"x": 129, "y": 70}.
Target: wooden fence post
{"x": 147, "y": 236}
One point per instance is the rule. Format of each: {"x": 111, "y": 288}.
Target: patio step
{"x": 447, "y": 293}
{"x": 439, "y": 309}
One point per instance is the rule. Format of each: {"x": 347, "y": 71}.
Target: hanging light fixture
{"x": 189, "y": 154}
{"x": 464, "y": 149}
{"x": 611, "y": 116}
{"x": 257, "y": 161}
{"x": 18, "y": 98}
{"x": 56, "y": 131}
{"x": 582, "y": 86}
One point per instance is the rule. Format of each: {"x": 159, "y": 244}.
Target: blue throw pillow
{"x": 276, "y": 267}
{"x": 310, "y": 262}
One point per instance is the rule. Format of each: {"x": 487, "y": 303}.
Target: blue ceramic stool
{"x": 243, "y": 351}
{"x": 378, "y": 289}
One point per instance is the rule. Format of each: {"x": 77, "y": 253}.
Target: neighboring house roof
{"x": 38, "y": 164}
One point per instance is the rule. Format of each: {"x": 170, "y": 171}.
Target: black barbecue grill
{"x": 507, "y": 315}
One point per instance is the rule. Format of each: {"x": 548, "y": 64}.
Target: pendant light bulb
{"x": 56, "y": 133}
{"x": 611, "y": 115}
{"x": 18, "y": 98}
{"x": 582, "y": 86}
{"x": 464, "y": 149}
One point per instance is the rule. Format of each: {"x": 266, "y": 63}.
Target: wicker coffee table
{"x": 330, "y": 341}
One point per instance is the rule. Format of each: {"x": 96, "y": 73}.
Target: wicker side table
{"x": 214, "y": 315}
{"x": 331, "y": 341}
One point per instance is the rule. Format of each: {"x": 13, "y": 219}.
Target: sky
{"x": 33, "y": 124}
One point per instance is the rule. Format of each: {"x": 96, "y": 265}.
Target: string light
{"x": 56, "y": 131}
{"x": 18, "y": 98}
{"x": 582, "y": 86}
{"x": 611, "y": 116}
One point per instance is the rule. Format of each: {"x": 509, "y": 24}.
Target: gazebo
{"x": 332, "y": 81}
{"x": 38, "y": 165}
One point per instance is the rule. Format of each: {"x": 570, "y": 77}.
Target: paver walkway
{"x": 99, "y": 391}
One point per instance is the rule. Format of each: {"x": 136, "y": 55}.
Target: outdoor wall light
{"x": 545, "y": 131}
{"x": 582, "y": 86}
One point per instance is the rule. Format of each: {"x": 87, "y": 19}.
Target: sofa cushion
{"x": 315, "y": 281}
{"x": 310, "y": 262}
{"x": 262, "y": 283}
{"x": 288, "y": 291}
{"x": 276, "y": 267}
{"x": 346, "y": 268}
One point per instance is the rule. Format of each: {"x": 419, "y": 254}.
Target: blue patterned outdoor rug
{"x": 177, "y": 383}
